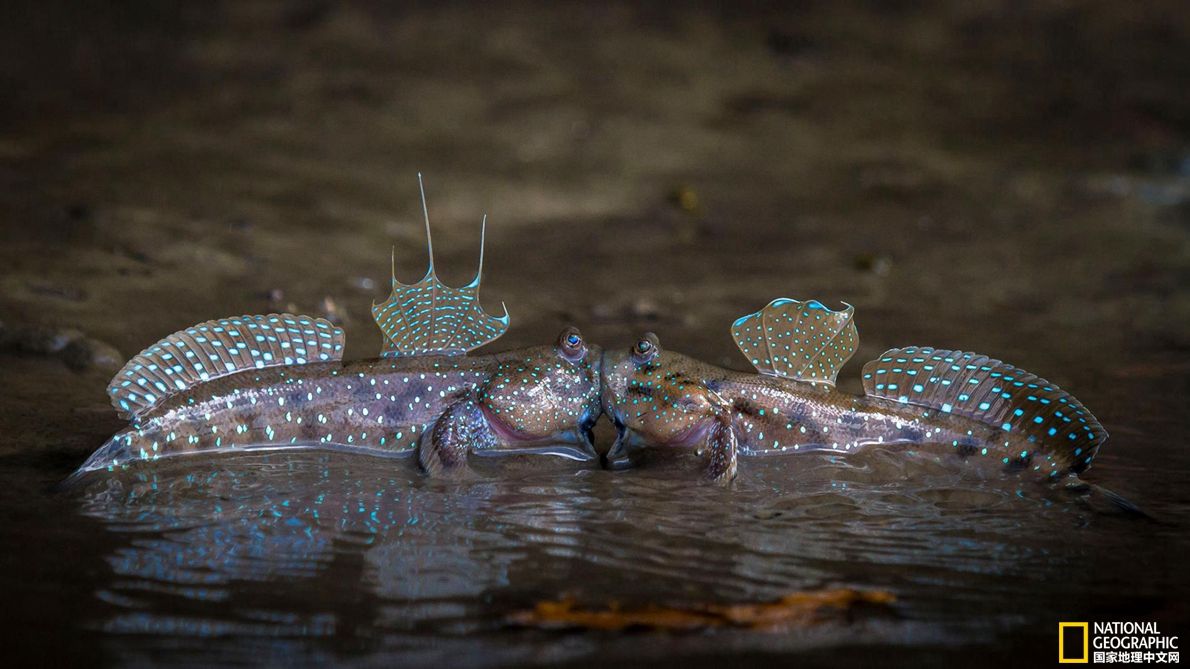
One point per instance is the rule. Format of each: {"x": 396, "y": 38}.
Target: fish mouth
{"x": 577, "y": 443}
{"x": 586, "y": 429}
{"x": 630, "y": 444}
{"x": 620, "y": 455}
{"x": 555, "y": 446}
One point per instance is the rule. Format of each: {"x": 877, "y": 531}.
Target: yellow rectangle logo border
{"x": 1062, "y": 659}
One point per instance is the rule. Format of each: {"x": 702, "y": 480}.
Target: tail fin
{"x": 1102, "y": 500}
{"x": 991, "y": 392}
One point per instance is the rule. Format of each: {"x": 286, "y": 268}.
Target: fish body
{"x": 530, "y": 400}
{"x": 979, "y": 406}
{"x": 278, "y": 381}
{"x": 676, "y": 405}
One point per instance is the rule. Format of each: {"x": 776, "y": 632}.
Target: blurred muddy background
{"x": 1005, "y": 177}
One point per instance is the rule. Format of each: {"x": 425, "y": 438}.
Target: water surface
{"x": 302, "y": 557}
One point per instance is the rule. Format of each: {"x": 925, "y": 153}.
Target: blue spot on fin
{"x": 431, "y": 318}
{"x": 804, "y": 341}
{"x": 991, "y": 392}
{"x": 219, "y": 348}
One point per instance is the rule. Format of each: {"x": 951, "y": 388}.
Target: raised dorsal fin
{"x": 797, "y": 340}
{"x": 217, "y": 348}
{"x": 431, "y": 318}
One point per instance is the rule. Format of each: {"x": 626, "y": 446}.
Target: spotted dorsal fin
{"x": 798, "y": 340}
{"x": 431, "y": 318}
{"x": 994, "y": 393}
{"x": 218, "y": 348}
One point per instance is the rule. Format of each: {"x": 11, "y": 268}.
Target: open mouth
{"x": 575, "y": 444}
{"x": 620, "y": 455}
{"x": 630, "y": 445}
{"x": 587, "y": 429}
{"x": 559, "y": 448}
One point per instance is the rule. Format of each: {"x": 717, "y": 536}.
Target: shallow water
{"x": 306, "y": 556}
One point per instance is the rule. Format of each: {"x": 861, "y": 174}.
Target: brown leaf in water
{"x": 797, "y": 609}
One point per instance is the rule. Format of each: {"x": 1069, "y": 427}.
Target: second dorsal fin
{"x": 217, "y": 348}
{"x": 431, "y": 318}
{"x": 994, "y": 393}
{"x": 805, "y": 341}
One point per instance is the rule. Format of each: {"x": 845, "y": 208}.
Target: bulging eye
{"x": 571, "y": 344}
{"x": 646, "y": 348}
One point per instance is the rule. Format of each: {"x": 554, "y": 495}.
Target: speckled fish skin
{"x": 674, "y": 401}
{"x": 530, "y": 400}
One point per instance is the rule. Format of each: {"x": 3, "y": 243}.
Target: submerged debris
{"x": 797, "y": 609}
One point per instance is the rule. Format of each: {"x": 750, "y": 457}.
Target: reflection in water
{"x": 332, "y": 553}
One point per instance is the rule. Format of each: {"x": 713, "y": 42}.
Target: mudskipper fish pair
{"x": 278, "y": 381}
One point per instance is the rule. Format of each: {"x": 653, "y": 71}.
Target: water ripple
{"x": 306, "y": 544}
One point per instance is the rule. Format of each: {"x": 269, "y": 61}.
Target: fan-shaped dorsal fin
{"x": 805, "y": 341}
{"x": 431, "y": 318}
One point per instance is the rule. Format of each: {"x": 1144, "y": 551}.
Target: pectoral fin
{"x": 722, "y": 448}
{"x": 442, "y": 449}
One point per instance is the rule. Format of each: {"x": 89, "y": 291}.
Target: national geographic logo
{"x": 1116, "y": 642}
{"x": 1073, "y": 642}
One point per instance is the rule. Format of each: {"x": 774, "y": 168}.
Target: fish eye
{"x": 646, "y": 348}
{"x": 571, "y": 345}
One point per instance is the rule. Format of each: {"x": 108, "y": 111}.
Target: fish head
{"x": 545, "y": 399}
{"x": 655, "y": 398}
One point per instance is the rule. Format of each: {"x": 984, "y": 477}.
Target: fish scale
{"x": 375, "y": 406}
